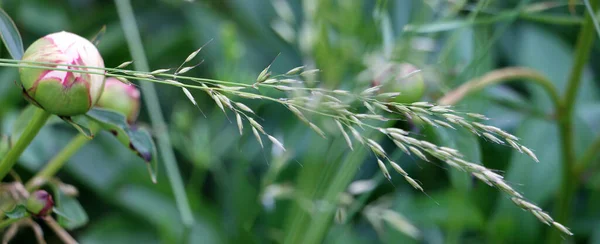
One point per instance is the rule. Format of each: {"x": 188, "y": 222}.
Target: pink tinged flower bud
{"x": 121, "y": 97}
{"x": 408, "y": 81}
{"x": 40, "y": 203}
{"x": 60, "y": 92}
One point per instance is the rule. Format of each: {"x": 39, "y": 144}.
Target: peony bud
{"x": 63, "y": 93}
{"x": 408, "y": 81}
{"x": 40, "y": 203}
{"x": 121, "y": 97}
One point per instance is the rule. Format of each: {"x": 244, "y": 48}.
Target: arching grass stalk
{"x": 35, "y": 124}
{"x": 499, "y": 76}
{"x": 353, "y": 113}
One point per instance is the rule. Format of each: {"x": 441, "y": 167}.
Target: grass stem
{"x": 159, "y": 126}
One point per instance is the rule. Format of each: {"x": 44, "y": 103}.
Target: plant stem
{"x": 500, "y": 76}
{"x": 57, "y": 162}
{"x": 39, "y": 119}
{"x": 60, "y": 232}
{"x": 136, "y": 49}
{"x": 568, "y": 186}
{"x": 7, "y": 222}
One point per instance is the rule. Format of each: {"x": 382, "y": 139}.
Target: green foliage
{"x": 10, "y": 36}
{"x": 240, "y": 192}
{"x": 137, "y": 140}
{"x": 19, "y": 211}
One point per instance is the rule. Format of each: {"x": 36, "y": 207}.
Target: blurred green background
{"x": 242, "y": 194}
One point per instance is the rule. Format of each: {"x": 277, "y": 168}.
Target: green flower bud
{"x": 40, "y": 203}
{"x": 409, "y": 84}
{"x": 59, "y": 92}
{"x": 121, "y": 97}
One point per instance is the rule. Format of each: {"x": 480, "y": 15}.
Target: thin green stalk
{"x": 56, "y": 163}
{"x": 112, "y": 72}
{"x": 568, "y": 181}
{"x": 39, "y": 119}
{"x": 7, "y": 222}
{"x": 156, "y": 116}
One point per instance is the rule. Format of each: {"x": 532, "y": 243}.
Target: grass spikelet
{"x": 124, "y": 80}
{"x": 384, "y": 169}
{"x": 492, "y": 138}
{"x": 240, "y": 125}
{"x": 346, "y": 137}
{"x": 188, "y": 94}
{"x": 397, "y": 130}
{"x": 218, "y": 102}
{"x": 257, "y": 137}
{"x": 389, "y": 95}
{"x": 357, "y": 135}
{"x": 295, "y": 71}
{"x": 276, "y": 142}
{"x": 562, "y": 228}
{"x": 397, "y": 168}
{"x": 376, "y": 148}
{"x": 124, "y": 64}
{"x": 477, "y": 116}
{"x": 309, "y": 72}
{"x": 414, "y": 183}
{"x": 418, "y": 152}
{"x": 444, "y": 124}
{"x": 143, "y": 75}
{"x": 317, "y": 129}
{"x": 185, "y": 69}
{"x": 264, "y": 75}
{"x": 530, "y": 153}
{"x": 256, "y": 125}
{"x": 192, "y": 55}
{"x": 402, "y": 147}
{"x": 271, "y": 81}
{"x": 370, "y": 90}
{"x": 422, "y": 104}
{"x": 159, "y": 71}
{"x": 243, "y": 107}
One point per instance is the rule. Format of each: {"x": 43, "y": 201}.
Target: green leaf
{"x": 71, "y": 214}
{"x": 80, "y": 125}
{"x": 20, "y": 211}
{"x": 137, "y": 140}
{"x": 537, "y": 181}
{"x": 10, "y": 36}
{"x": 535, "y": 47}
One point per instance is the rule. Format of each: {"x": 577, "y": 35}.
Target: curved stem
{"x": 7, "y": 222}
{"x": 60, "y": 232}
{"x": 568, "y": 183}
{"x": 39, "y": 119}
{"x": 56, "y": 163}
{"x": 499, "y": 76}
